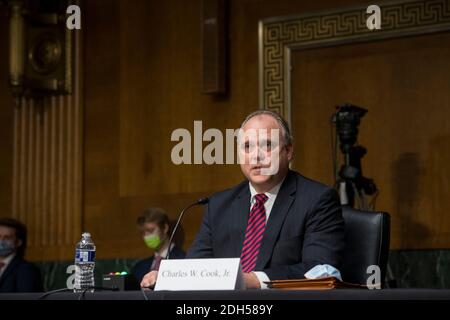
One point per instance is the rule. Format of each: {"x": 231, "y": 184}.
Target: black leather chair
{"x": 367, "y": 243}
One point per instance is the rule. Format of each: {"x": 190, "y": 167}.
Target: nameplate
{"x": 200, "y": 274}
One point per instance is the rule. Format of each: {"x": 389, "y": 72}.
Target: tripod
{"x": 352, "y": 185}
{"x": 350, "y": 181}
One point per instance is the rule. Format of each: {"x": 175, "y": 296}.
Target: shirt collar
{"x": 8, "y": 259}
{"x": 164, "y": 252}
{"x": 271, "y": 194}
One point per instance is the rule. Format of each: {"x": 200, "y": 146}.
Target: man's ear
{"x": 19, "y": 243}
{"x": 290, "y": 152}
{"x": 166, "y": 229}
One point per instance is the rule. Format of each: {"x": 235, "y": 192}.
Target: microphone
{"x": 201, "y": 201}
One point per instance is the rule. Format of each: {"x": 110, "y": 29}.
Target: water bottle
{"x": 84, "y": 264}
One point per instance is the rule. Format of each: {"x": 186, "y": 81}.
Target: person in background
{"x": 16, "y": 274}
{"x": 154, "y": 227}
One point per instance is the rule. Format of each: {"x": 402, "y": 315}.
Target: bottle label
{"x": 84, "y": 256}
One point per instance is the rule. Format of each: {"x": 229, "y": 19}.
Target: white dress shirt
{"x": 163, "y": 253}
{"x": 6, "y": 261}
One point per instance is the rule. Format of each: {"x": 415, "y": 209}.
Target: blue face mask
{"x": 6, "y": 247}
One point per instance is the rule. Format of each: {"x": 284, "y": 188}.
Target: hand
{"x": 149, "y": 279}
{"x": 251, "y": 281}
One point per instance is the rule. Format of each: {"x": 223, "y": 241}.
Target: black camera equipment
{"x": 350, "y": 180}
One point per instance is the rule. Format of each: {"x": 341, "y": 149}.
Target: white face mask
{"x": 6, "y": 247}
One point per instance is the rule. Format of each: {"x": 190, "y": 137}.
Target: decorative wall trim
{"x": 279, "y": 36}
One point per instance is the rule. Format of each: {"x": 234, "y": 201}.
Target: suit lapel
{"x": 239, "y": 213}
{"x": 9, "y": 269}
{"x": 279, "y": 211}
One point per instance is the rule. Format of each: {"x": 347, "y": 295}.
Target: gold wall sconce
{"x": 40, "y": 48}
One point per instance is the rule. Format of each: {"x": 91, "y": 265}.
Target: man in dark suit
{"x": 278, "y": 222}
{"x": 16, "y": 274}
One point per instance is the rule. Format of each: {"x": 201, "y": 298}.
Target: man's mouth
{"x": 259, "y": 167}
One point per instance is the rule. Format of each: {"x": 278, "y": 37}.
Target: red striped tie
{"x": 254, "y": 233}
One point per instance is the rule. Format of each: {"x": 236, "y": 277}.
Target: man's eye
{"x": 248, "y": 147}
{"x": 266, "y": 145}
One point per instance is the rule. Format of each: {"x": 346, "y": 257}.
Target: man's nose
{"x": 254, "y": 156}
{"x": 257, "y": 155}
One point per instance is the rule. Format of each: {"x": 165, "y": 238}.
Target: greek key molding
{"x": 280, "y": 35}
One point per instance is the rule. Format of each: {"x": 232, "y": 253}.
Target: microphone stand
{"x": 201, "y": 201}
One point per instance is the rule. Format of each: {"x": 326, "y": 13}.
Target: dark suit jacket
{"x": 305, "y": 228}
{"x": 142, "y": 267}
{"x": 21, "y": 276}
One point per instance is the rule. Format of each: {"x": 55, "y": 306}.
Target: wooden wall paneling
{"x": 143, "y": 80}
{"x": 101, "y": 208}
{"x": 146, "y": 84}
{"x": 6, "y": 120}
{"x": 47, "y": 168}
{"x": 281, "y": 37}
{"x": 403, "y": 84}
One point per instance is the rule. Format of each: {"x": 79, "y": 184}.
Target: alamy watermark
{"x": 255, "y": 147}
{"x": 73, "y": 21}
{"x": 374, "y": 279}
{"x": 373, "y": 22}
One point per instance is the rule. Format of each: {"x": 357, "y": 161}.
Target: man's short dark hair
{"x": 21, "y": 232}
{"x": 154, "y": 215}
{"x": 286, "y": 131}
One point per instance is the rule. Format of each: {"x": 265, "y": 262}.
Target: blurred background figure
{"x": 154, "y": 227}
{"x": 16, "y": 274}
